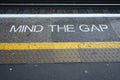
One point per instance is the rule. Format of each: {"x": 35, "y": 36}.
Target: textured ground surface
{"x": 106, "y": 67}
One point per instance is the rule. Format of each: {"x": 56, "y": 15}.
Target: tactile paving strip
{"x": 60, "y": 56}
{"x": 39, "y": 56}
{"x": 99, "y": 55}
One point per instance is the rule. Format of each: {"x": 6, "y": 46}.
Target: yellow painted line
{"x": 58, "y": 45}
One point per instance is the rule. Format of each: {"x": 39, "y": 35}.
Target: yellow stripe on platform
{"x": 58, "y": 45}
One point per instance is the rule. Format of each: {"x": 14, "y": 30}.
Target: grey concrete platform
{"x": 106, "y": 69}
